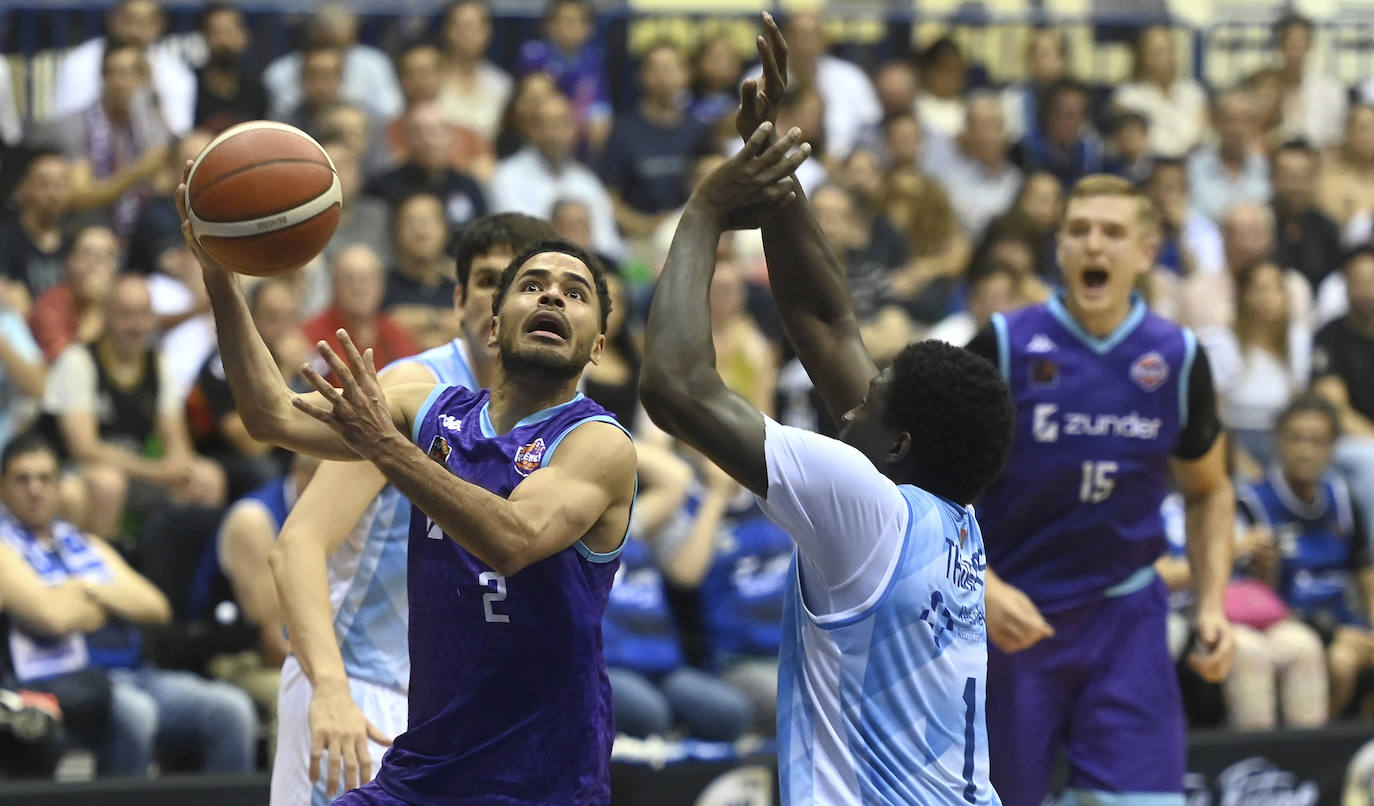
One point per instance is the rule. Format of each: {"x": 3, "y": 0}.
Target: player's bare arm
{"x": 1210, "y": 516}
{"x": 583, "y": 493}
{"x": 807, "y": 278}
{"x": 680, "y": 387}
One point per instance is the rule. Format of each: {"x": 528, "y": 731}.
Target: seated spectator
{"x": 1130, "y": 156}
{"x": 922, "y": 211}
{"x": 652, "y": 687}
{"x": 1343, "y": 374}
{"x": 419, "y": 68}
{"x": 1174, "y": 105}
{"x": 943, "y": 76}
{"x": 1258, "y": 364}
{"x": 113, "y": 410}
{"x": 1266, "y": 87}
{"x": 1344, "y": 190}
{"x": 613, "y": 382}
{"x": 118, "y": 143}
{"x": 429, "y": 169}
{"x": 804, "y": 108}
{"x": 1065, "y": 145}
{"x": 228, "y": 91}
{"x": 321, "y": 82}
{"x": 1015, "y": 242}
{"x": 1306, "y": 239}
{"x": 1313, "y": 104}
{"x": 577, "y": 65}
{"x": 895, "y": 85}
{"x": 31, "y": 239}
{"x": 70, "y": 596}
{"x": 73, "y": 311}
{"x": 980, "y": 179}
{"x": 844, "y": 91}
{"x": 352, "y": 124}
{"x": 473, "y": 92}
{"x": 1190, "y": 242}
{"x": 359, "y": 282}
{"x": 139, "y": 23}
{"x": 716, "y": 70}
{"x": 748, "y": 362}
{"x": 217, "y": 432}
{"x": 1047, "y": 60}
{"x": 994, "y": 289}
{"x": 1324, "y": 572}
{"x": 366, "y": 77}
{"x": 572, "y": 220}
{"x": 1230, "y": 171}
{"x": 363, "y": 219}
{"x": 157, "y": 228}
{"x": 545, "y": 171}
{"x": 22, "y": 374}
{"x": 420, "y": 282}
{"x": 903, "y": 141}
{"x": 651, "y": 149}
{"x": 246, "y": 537}
{"x": 520, "y": 120}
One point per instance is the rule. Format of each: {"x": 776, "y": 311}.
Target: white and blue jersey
{"x": 367, "y": 573}
{"x": 883, "y": 664}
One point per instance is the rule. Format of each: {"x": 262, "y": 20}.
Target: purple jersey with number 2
{"x": 509, "y": 700}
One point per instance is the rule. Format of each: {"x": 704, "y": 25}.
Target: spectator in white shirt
{"x": 1232, "y": 171}
{"x": 368, "y": 76}
{"x": 472, "y": 91}
{"x": 1175, "y": 105}
{"x": 1313, "y": 104}
{"x": 140, "y": 23}
{"x": 536, "y": 176}
{"x": 848, "y": 96}
{"x": 981, "y": 181}
{"x": 943, "y": 75}
{"x": 1047, "y": 59}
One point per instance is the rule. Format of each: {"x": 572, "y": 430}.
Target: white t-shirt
{"x": 848, "y": 519}
{"x": 71, "y": 385}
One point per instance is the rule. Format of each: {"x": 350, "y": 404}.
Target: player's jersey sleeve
{"x": 847, "y": 519}
{"x": 1203, "y": 425}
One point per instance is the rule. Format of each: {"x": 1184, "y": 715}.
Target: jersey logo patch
{"x": 529, "y": 456}
{"x": 438, "y": 450}
{"x": 1044, "y": 373}
{"x": 1040, "y": 343}
{"x": 1150, "y": 371}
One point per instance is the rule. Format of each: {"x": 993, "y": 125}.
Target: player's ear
{"x": 598, "y": 347}
{"x": 492, "y": 340}
{"x": 901, "y": 448}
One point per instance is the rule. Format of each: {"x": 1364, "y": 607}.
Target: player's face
{"x": 473, "y": 303}
{"x": 1305, "y": 446}
{"x": 31, "y": 488}
{"x": 550, "y": 320}
{"x": 862, "y": 427}
{"x": 1102, "y": 251}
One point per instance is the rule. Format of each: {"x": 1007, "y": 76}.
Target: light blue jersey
{"x": 367, "y": 573}
{"x": 883, "y": 665}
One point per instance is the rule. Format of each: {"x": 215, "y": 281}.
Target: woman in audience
{"x": 747, "y": 361}
{"x": 472, "y": 91}
{"x": 1258, "y": 365}
{"x": 716, "y": 69}
{"x": 614, "y": 380}
{"x": 1174, "y": 105}
{"x": 520, "y": 117}
{"x": 921, "y": 209}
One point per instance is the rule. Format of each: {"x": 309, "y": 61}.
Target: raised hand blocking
{"x": 747, "y": 189}
{"x": 759, "y": 104}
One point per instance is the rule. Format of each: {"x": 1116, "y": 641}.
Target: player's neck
{"x": 1101, "y": 323}
{"x": 515, "y": 397}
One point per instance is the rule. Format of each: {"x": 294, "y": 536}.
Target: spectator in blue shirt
{"x": 577, "y": 64}
{"x": 649, "y": 155}
{"x": 1065, "y": 145}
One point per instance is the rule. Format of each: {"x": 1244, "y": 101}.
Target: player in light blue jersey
{"x": 340, "y": 565}
{"x": 884, "y": 652}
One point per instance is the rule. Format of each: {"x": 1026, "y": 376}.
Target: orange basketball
{"x": 263, "y": 198}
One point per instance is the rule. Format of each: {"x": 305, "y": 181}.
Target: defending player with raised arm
{"x": 883, "y": 622}
{"x": 340, "y": 562}
{"x": 521, "y": 502}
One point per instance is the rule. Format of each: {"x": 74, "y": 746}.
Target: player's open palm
{"x": 339, "y": 732}
{"x": 755, "y": 183}
{"x": 1014, "y": 622}
{"x": 358, "y": 412}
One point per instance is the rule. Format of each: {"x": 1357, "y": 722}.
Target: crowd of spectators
{"x": 135, "y": 497}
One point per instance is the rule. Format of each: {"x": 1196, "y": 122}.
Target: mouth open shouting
{"x": 549, "y": 326}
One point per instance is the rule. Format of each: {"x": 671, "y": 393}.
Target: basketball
{"x": 263, "y": 198}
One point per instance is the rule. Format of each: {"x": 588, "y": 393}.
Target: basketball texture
{"x": 263, "y": 198}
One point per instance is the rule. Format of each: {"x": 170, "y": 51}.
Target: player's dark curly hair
{"x": 506, "y": 232}
{"x": 603, "y": 294}
{"x": 958, "y": 411}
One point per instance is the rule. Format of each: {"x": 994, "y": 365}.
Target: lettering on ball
{"x": 271, "y": 223}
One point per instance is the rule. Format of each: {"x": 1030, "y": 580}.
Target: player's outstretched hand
{"x": 760, "y": 97}
{"x": 207, "y": 263}
{"x": 338, "y": 727}
{"x": 1014, "y": 622}
{"x": 1216, "y": 647}
{"x": 747, "y": 189}
{"x": 358, "y": 412}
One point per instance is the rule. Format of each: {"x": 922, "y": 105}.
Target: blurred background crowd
{"x": 940, "y": 188}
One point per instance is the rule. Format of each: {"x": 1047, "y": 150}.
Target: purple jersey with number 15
{"x": 509, "y": 699}
{"x": 1075, "y": 514}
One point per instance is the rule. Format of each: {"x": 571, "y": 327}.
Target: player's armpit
{"x": 583, "y": 493}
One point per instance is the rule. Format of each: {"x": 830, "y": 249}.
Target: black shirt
{"x": 215, "y": 112}
{"x": 21, "y": 259}
{"x": 462, "y": 196}
{"x": 1311, "y": 244}
{"x": 403, "y": 290}
{"x": 1203, "y": 423}
{"x": 650, "y": 165}
{"x": 1348, "y": 354}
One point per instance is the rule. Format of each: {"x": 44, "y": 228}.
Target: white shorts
{"x": 384, "y": 707}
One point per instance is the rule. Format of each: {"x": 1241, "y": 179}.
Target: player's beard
{"x": 537, "y": 362}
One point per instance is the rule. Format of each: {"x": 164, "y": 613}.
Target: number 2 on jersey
{"x": 1097, "y": 482}
{"x": 493, "y": 580}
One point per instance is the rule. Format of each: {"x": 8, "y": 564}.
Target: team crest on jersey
{"x": 1044, "y": 373}
{"x": 529, "y": 456}
{"x": 1150, "y": 371}
{"x": 439, "y": 450}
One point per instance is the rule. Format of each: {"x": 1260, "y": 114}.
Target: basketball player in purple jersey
{"x": 1109, "y": 398}
{"x": 522, "y": 497}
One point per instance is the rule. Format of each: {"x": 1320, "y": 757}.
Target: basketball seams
{"x": 201, "y": 191}
{"x": 271, "y": 222}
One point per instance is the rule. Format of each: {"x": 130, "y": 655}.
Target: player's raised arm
{"x": 807, "y": 278}
{"x": 680, "y": 387}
